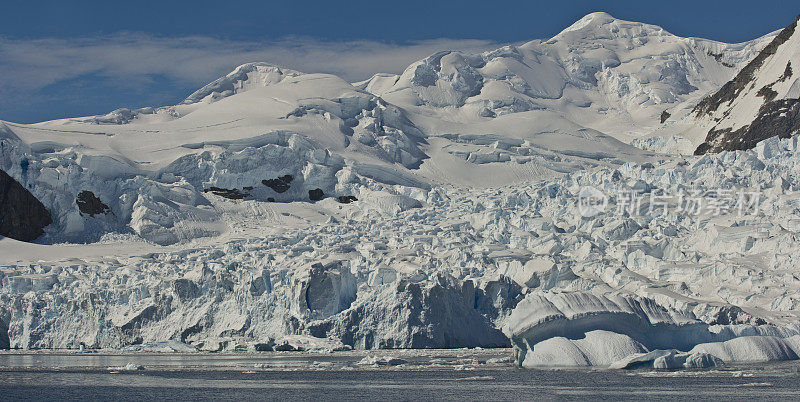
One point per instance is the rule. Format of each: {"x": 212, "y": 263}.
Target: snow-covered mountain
{"x": 614, "y": 76}
{"x": 762, "y": 101}
{"x": 516, "y": 114}
{"x": 434, "y": 208}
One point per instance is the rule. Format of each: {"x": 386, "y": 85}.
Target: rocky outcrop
{"x": 780, "y": 118}
{"x": 315, "y": 194}
{"x": 231, "y": 194}
{"x": 22, "y": 216}
{"x": 346, "y": 199}
{"x": 279, "y": 185}
{"x": 89, "y": 204}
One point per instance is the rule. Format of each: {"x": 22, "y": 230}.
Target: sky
{"x": 69, "y": 58}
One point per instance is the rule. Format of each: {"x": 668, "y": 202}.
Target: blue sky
{"x": 70, "y": 58}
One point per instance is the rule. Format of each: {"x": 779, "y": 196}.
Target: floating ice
{"x": 374, "y": 360}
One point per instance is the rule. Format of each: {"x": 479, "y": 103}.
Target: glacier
{"x": 436, "y": 208}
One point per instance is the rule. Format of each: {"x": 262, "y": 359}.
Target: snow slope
{"x": 260, "y": 122}
{"x": 154, "y": 169}
{"x": 274, "y": 209}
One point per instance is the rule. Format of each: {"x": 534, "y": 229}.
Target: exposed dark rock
{"x": 232, "y": 194}
{"x": 664, "y": 116}
{"x": 270, "y": 199}
{"x": 89, "y": 204}
{"x": 703, "y": 148}
{"x": 718, "y": 58}
{"x": 767, "y": 93}
{"x": 315, "y": 194}
{"x": 298, "y": 112}
{"x": 247, "y": 188}
{"x": 22, "y": 216}
{"x": 781, "y": 118}
{"x": 280, "y": 185}
{"x": 346, "y": 199}
{"x": 786, "y": 73}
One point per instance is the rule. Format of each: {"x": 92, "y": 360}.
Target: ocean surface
{"x": 425, "y": 375}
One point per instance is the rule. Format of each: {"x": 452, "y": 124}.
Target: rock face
{"x": 775, "y": 119}
{"x": 231, "y": 194}
{"x": 280, "y": 185}
{"x": 733, "y": 88}
{"x": 346, "y": 199}
{"x": 90, "y": 205}
{"x": 761, "y": 102}
{"x": 664, "y": 116}
{"x": 22, "y": 216}
{"x": 315, "y": 194}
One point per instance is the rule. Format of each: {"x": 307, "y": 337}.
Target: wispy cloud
{"x": 31, "y": 69}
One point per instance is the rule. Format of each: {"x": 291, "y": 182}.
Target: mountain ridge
{"x": 514, "y": 114}
{"x": 773, "y": 117}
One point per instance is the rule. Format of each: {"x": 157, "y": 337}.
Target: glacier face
{"x": 437, "y": 208}
{"x": 456, "y": 271}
